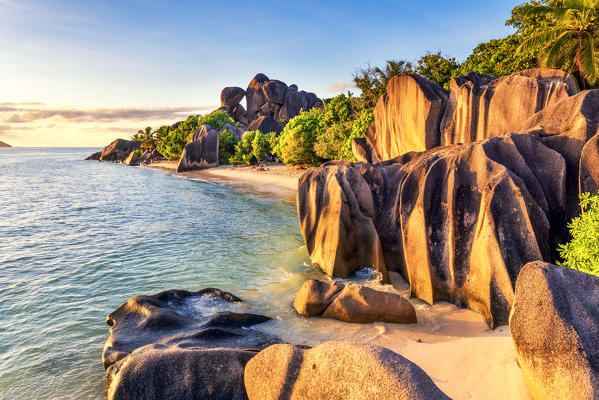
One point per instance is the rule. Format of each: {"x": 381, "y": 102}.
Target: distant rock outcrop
{"x": 352, "y": 303}
{"x": 119, "y": 150}
{"x": 457, "y": 222}
{"x": 95, "y": 156}
{"x": 555, "y": 329}
{"x": 3, "y": 144}
{"x": 336, "y": 371}
{"x": 161, "y": 347}
{"x": 269, "y": 98}
{"x": 202, "y": 151}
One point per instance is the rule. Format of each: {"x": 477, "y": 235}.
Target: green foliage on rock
{"x": 216, "y": 119}
{"x": 582, "y": 252}
{"x": 437, "y": 68}
{"x": 226, "y": 146}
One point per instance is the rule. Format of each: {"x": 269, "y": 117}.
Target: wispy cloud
{"x": 341, "y": 86}
{"x": 18, "y": 113}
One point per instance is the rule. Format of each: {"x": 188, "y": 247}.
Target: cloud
{"x": 341, "y": 86}
{"x": 21, "y": 113}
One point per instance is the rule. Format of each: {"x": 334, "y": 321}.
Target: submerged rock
{"x": 555, "y": 329}
{"x": 352, "y": 303}
{"x": 456, "y": 222}
{"x": 165, "y": 346}
{"x": 335, "y": 370}
{"x": 119, "y": 150}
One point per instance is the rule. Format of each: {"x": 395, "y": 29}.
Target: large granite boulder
{"x": 265, "y": 125}
{"x": 555, "y": 329}
{"x": 119, "y": 150}
{"x": 352, "y": 302}
{"x": 480, "y": 107}
{"x": 171, "y": 345}
{"x": 254, "y": 95}
{"x": 296, "y": 101}
{"x": 588, "y": 178}
{"x": 237, "y": 131}
{"x": 457, "y": 222}
{"x": 3, "y": 144}
{"x": 274, "y": 91}
{"x": 231, "y": 96}
{"x": 202, "y": 151}
{"x": 407, "y": 117}
{"x": 336, "y": 371}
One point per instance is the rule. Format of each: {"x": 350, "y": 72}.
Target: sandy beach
{"x": 277, "y": 181}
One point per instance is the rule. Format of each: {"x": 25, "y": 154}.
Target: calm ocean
{"x": 78, "y": 238}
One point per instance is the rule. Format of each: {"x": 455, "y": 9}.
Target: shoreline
{"x": 277, "y": 181}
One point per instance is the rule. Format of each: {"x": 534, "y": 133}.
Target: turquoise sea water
{"x": 78, "y": 238}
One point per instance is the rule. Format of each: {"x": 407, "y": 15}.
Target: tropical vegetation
{"x": 582, "y": 252}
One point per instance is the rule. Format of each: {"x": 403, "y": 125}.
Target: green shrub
{"x": 138, "y": 152}
{"x": 260, "y": 146}
{"x": 296, "y": 143}
{"x": 244, "y": 153}
{"x": 216, "y": 119}
{"x": 226, "y": 146}
{"x": 582, "y": 252}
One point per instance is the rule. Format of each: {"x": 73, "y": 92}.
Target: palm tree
{"x": 572, "y": 43}
{"x": 148, "y": 141}
{"x": 372, "y": 81}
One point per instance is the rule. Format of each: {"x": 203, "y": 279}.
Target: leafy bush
{"x": 582, "y": 252}
{"x": 437, "y": 68}
{"x": 216, "y": 119}
{"x": 260, "y": 146}
{"x": 341, "y": 122}
{"x": 226, "y": 146}
{"x": 296, "y": 143}
{"x": 138, "y": 152}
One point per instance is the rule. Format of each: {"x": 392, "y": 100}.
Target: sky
{"x": 82, "y": 73}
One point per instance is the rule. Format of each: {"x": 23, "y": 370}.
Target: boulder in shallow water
{"x": 336, "y": 371}
{"x": 172, "y": 345}
{"x": 352, "y": 302}
{"x": 119, "y": 150}
{"x": 555, "y": 329}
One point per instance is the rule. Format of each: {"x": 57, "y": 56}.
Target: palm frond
{"x": 558, "y": 51}
{"x": 539, "y": 40}
{"x": 589, "y": 67}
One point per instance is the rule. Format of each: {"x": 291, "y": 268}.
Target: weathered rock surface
{"x": 352, "y": 303}
{"x": 265, "y": 125}
{"x": 150, "y": 156}
{"x": 274, "y": 99}
{"x": 165, "y": 346}
{"x": 119, "y": 150}
{"x": 407, "y": 117}
{"x": 315, "y": 295}
{"x": 231, "y": 96}
{"x": 95, "y": 156}
{"x": 480, "y": 107}
{"x": 589, "y": 167}
{"x": 457, "y": 222}
{"x": 132, "y": 158}
{"x": 555, "y": 329}
{"x": 237, "y": 131}
{"x": 202, "y": 151}
{"x": 335, "y": 370}
{"x": 4, "y": 144}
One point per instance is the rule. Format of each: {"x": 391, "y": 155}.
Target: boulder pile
{"x": 119, "y": 150}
